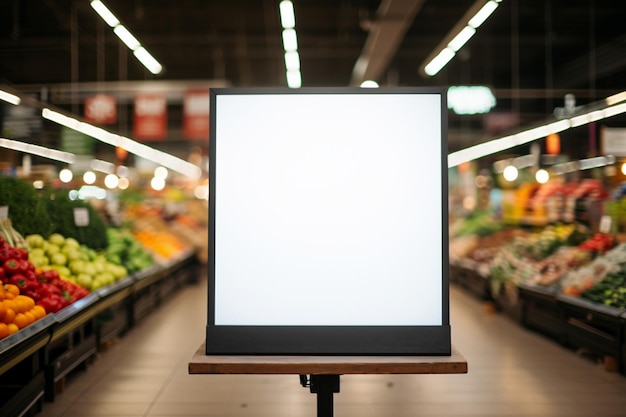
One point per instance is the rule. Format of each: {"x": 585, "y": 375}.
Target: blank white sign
{"x": 328, "y": 209}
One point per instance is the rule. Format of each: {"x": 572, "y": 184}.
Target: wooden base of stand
{"x": 324, "y": 371}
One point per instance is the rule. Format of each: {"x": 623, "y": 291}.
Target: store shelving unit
{"x": 35, "y": 360}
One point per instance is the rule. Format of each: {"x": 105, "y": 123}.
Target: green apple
{"x": 71, "y": 242}
{"x": 76, "y": 266}
{"x": 58, "y": 259}
{"x": 51, "y": 249}
{"x": 38, "y": 260}
{"x": 57, "y": 239}
{"x": 34, "y": 241}
{"x": 64, "y": 272}
{"x": 85, "y": 280}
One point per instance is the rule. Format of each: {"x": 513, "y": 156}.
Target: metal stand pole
{"x": 324, "y": 386}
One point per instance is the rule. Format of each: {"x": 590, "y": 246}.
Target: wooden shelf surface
{"x": 201, "y": 363}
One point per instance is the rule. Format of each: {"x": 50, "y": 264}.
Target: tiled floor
{"x": 512, "y": 372}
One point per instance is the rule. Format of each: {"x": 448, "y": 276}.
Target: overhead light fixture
{"x": 290, "y": 44}
{"x": 369, "y": 84}
{"x": 126, "y": 37}
{"x": 290, "y": 40}
{"x": 42, "y": 151}
{"x": 287, "y": 15}
{"x": 140, "y": 52}
{"x": 470, "y": 99}
{"x": 458, "y": 36}
{"x": 136, "y": 148}
{"x": 292, "y": 61}
{"x": 506, "y": 142}
{"x": 9, "y": 98}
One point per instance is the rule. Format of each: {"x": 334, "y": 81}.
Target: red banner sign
{"x": 150, "y": 117}
{"x": 101, "y": 109}
{"x": 196, "y": 110}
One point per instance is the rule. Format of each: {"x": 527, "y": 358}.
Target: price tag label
{"x": 605, "y": 224}
{"x": 81, "y": 216}
{"x": 4, "y": 212}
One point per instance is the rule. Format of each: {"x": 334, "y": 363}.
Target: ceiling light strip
{"x": 9, "y": 98}
{"x": 501, "y": 144}
{"x": 290, "y": 44}
{"x": 136, "y": 148}
{"x": 140, "y": 52}
{"x": 15, "y": 145}
{"x": 459, "y": 36}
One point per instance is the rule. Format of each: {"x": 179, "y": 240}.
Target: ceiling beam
{"x": 393, "y": 18}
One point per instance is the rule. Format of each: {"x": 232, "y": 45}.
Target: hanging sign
{"x": 196, "y": 109}
{"x": 150, "y": 117}
{"x": 101, "y": 109}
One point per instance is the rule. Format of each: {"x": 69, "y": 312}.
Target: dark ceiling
{"x": 530, "y": 52}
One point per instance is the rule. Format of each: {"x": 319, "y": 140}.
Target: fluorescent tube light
{"x": 458, "y": 36}
{"x": 294, "y": 79}
{"x": 292, "y": 61}
{"x": 615, "y": 110}
{"x": 148, "y": 60}
{"x": 439, "y": 61}
{"x": 616, "y": 98}
{"x": 290, "y": 40}
{"x": 126, "y": 37}
{"x": 105, "y": 13}
{"x": 462, "y": 38}
{"x": 136, "y": 148}
{"x": 483, "y": 14}
{"x": 9, "y": 98}
{"x": 287, "y": 15}
{"x": 38, "y": 150}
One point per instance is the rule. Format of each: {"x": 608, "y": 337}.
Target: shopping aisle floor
{"x": 512, "y": 372}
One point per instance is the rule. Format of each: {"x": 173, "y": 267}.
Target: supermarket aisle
{"x": 512, "y": 372}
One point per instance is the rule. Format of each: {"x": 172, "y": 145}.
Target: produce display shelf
{"x": 594, "y": 327}
{"x": 622, "y": 349}
{"x": 23, "y": 400}
{"x": 541, "y": 311}
{"x": 466, "y": 274}
{"x": 47, "y": 350}
{"x": 25, "y": 343}
{"x": 507, "y": 299}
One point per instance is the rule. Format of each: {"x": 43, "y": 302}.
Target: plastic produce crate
{"x": 541, "y": 311}
{"x": 596, "y": 328}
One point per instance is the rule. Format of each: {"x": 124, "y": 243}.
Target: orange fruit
{"x": 38, "y": 311}
{"x": 12, "y": 289}
{"x": 19, "y": 305}
{"x": 4, "y": 330}
{"x": 3, "y": 310}
{"x": 30, "y": 317}
{"x": 13, "y": 328}
{"x": 20, "y": 320}
{"x": 9, "y": 316}
{"x": 2, "y": 292}
{"x": 27, "y": 301}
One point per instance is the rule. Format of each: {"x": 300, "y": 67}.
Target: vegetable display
{"x": 27, "y": 211}
{"x": 73, "y": 261}
{"x": 61, "y": 210}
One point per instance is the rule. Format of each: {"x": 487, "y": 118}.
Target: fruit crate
{"x": 73, "y": 342}
{"x": 506, "y": 297}
{"x": 22, "y": 397}
{"x": 622, "y": 350}
{"x": 466, "y": 274}
{"x": 596, "y": 329}
{"x": 22, "y": 382}
{"x": 540, "y": 310}
{"x": 115, "y": 319}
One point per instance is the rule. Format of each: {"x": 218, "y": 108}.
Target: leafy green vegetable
{"x": 27, "y": 211}
{"x": 61, "y": 209}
